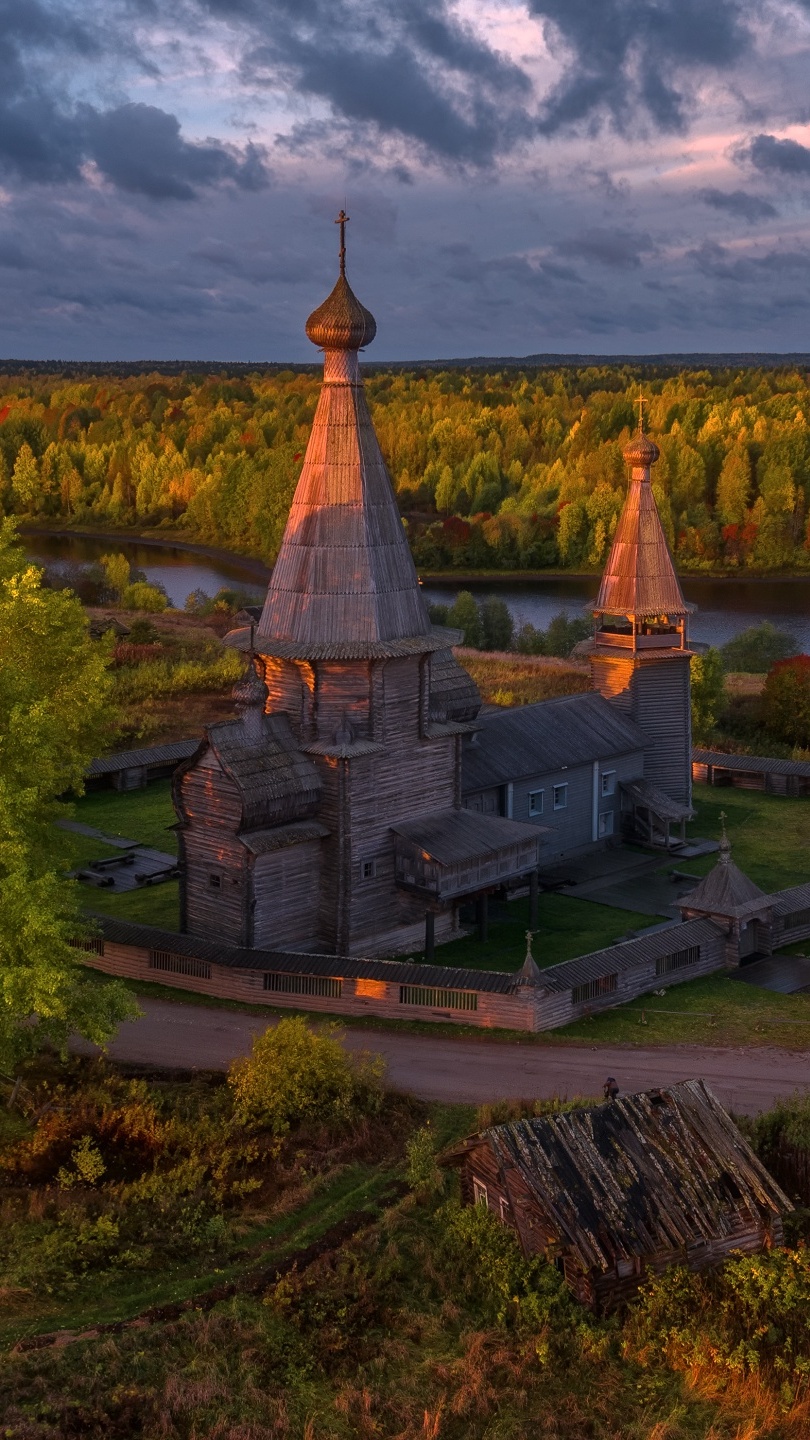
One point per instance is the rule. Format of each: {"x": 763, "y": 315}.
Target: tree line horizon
{"x": 511, "y": 469}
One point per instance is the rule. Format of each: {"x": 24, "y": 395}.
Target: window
{"x": 94, "y": 945}
{"x": 560, "y": 797}
{"x": 303, "y": 985}
{"x": 368, "y": 869}
{"x": 438, "y": 999}
{"x": 215, "y": 882}
{"x": 536, "y": 802}
{"x": 179, "y": 964}
{"x": 505, "y": 1209}
{"x": 608, "y": 782}
{"x": 594, "y": 989}
{"x": 480, "y": 1196}
{"x": 605, "y": 823}
{"x": 677, "y": 960}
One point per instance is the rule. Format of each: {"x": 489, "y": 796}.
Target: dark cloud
{"x": 618, "y": 249}
{"x": 627, "y": 55}
{"x": 772, "y": 156}
{"x": 139, "y": 148}
{"x": 414, "y": 71}
{"x": 738, "y": 202}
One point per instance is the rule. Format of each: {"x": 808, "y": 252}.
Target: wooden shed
{"x": 615, "y": 1192}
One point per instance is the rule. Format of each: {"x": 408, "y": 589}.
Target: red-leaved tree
{"x": 786, "y": 700}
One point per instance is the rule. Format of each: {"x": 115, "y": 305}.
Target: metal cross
{"x": 529, "y": 935}
{"x": 641, "y": 402}
{"x": 341, "y": 221}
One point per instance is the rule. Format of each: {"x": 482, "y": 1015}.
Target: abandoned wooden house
{"x": 615, "y": 1192}
{"x": 361, "y": 798}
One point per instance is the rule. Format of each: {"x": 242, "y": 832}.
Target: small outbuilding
{"x": 616, "y": 1192}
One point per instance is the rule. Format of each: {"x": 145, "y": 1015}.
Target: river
{"x": 725, "y": 607}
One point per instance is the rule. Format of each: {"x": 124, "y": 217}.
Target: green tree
{"x": 563, "y": 634}
{"x": 759, "y": 647}
{"x": 466, "y": 616}
{"x": 785, "y": 703}
{"x": 496, "y": 624}
{"x": 708, "y": 683}
{"x": 297, "y": 1073}
{"x": 143, "y": 596}
{"x": 116, "y": 572}
{"x": 734, "y": 487}
{"x": 25, "y": 480}
{"x": 54, "y": 689}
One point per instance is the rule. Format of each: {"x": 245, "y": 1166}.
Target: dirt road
{"x": 441, "y": 1068}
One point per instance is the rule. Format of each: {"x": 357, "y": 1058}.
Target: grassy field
{"x": 154, "y": 905}
{"x": 142, "y": 815}
{"x": 769, "y": 834}
{"x": 567, "y": 927}
{"x": 504, "y": 678}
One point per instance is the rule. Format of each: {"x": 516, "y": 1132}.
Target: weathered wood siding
{"x": 285, "y": 890}
{"x": 654, "y": 690}
{"x": 358, "y": 995}
{"x": 213, "y": 863}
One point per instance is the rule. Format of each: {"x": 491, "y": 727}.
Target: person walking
{"x": 610, "y": 1088}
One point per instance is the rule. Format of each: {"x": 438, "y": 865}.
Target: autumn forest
{"x": 509, "y": 470}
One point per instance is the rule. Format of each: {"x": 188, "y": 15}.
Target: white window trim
{"x": 533, "y": 794}
{"x": 369, "y": 862}
{"x": 563, "y": 805}
{"x": 605, "y": 824}
{"x": 480, "y": 1194}
{"x": 608, "y": 775}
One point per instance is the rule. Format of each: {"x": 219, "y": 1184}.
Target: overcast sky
{"x": 562, "y": 175}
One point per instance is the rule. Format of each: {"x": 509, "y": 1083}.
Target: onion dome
{"x": 641, "y": 453}
{"x": 341, "y": 322}
{"x": 249, "y": 692}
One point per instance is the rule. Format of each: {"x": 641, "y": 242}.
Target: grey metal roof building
{"x": 574, "y": 730}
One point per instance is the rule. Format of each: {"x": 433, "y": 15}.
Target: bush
{"x": 785, "y": 704}
{"x": 755, "y": 650}
{"x": 496, "y": 624}
{"x": 143, "y": 596}
{"x": 466, "y": 616}
{"x": 421, "y": 1171}
{"x": 297, "y": 1073}
{"x": 559, "y": 639}
{"x": 154, "y": 678}
{"x": 143, "y": 632}
{"x": 708, "y": 683}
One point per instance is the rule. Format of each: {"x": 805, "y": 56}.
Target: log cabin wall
{"x": 285, "y": 888}
{"x": 654, "y": 690}
{"x": 215, "y": 882}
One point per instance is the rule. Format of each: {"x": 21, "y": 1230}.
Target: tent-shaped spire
{"x": 344, "y": 576}
{"x": 639, "y": 578}
{"x": 725, "y": 889}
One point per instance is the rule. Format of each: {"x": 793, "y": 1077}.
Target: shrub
{"x": 785, "y": 704}
{"x": 421, "y": 1171}
{"x": 466, "y": 616}
{"x": 496, "y": 624}
{"x": 143, "y": 596}
{"x": 296, "y": 1073}
{"x": 708, "y": 682}
{"x": 759, "y": 647}
{"x": 143, "y": 632}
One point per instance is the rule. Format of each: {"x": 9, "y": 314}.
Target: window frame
{"x": 214, "y": 881}
{"x": 368, "y": 868}
{"x": 610, "y": 776}
{"x": 606, "y": 824}
{"x": 563, "y": 786}
{"x": 480, "y": 1192}
{"x": 534, "y": 811}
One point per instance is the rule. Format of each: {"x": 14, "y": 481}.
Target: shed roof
{"x": 645, "y": 1173}
{"x": 628, "y": 954}
{"x": 402, "y": 972}
{"x": 751, "y": 764}
{"x": 453, "y": 836}
{"x": 534, "y": 740}
{"x": 151, "y": 755}
{"x": 652, "y": 797}
{"x": 639, "y": 578}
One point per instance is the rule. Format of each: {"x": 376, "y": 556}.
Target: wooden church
{"x": 329, "y": 816}
{"x": 360, "y": 798}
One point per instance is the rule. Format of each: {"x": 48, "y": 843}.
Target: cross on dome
{"x": 342, "y": 221}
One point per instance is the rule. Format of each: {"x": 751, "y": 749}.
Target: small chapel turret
{"x": 640, "y": 657}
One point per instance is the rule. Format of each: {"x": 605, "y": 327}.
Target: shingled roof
{"x": 344, "y": 574}
{"x": 725, "y": 890}
{"x": 639, "y": 578}
{"x": 645, "y": 1173}
{"x": 529, "y": 740}
{"x": 275, "y": 781}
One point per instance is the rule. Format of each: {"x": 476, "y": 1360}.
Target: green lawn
{"x": 154, "y": 905}
{"x": 567, "y": 927}
{"x": 142, "y": 815}
{"x": 81, "y": 849}
{"x": 769, "y": 834}
{"x": 717, "y": 1010}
